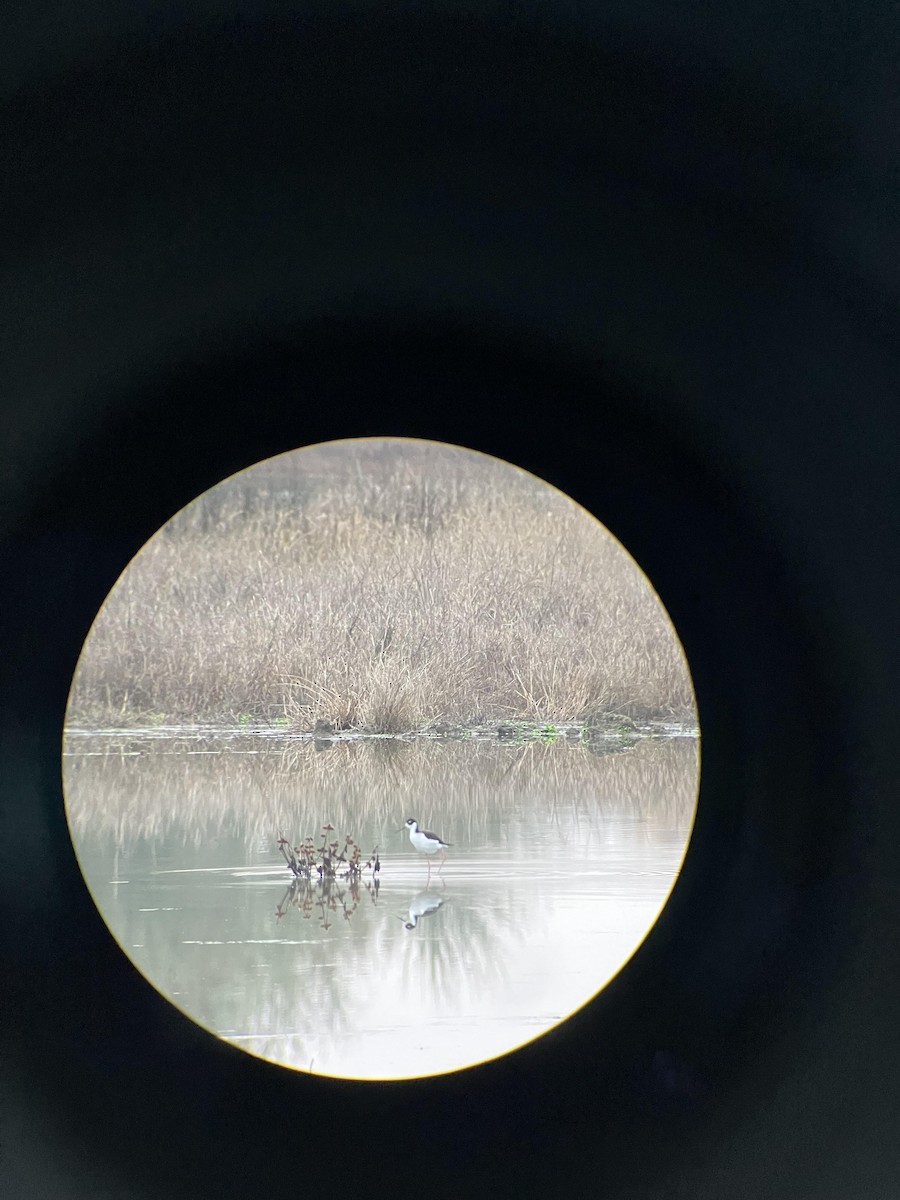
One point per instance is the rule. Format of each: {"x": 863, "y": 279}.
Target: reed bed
{"x": 386, "y": 585}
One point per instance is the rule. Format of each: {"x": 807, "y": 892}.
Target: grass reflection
{"x": 560, "y": 862}
{"x": 325, "y": 898}
{"x": 127, "y": 790}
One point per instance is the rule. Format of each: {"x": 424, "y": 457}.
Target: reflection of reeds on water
{"x": 326, "y": 898}
{"x": 468, "y": 789}
{"x": 460, "y": 952}
{"x": 439, "y": 968}
{"x": 333, "y": 966}
{"x": 384, "y": 584}
{"x": 319, "y": 982}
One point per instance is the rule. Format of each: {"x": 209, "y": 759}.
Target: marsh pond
{"x": 562, "y": 855}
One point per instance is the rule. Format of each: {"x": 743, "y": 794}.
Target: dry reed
{"x": 380, "y": 584}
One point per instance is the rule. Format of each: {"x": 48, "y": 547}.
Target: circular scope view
{"x": 381, "y": 759}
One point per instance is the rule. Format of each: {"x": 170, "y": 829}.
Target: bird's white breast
{"x": 422, "y": 843}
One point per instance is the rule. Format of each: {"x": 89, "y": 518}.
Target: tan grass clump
{"x": 381, "y": 584}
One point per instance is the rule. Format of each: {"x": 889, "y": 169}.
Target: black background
{"x": 646, "y": 251}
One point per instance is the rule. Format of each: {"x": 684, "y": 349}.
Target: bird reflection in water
{"x": 425, "y": 904}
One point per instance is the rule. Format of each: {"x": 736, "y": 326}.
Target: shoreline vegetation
{"x": 385, "y": 587}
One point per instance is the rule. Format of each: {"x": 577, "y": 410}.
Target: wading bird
{"x": 426, "y": 843}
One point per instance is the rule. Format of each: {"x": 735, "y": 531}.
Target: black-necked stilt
{"x": 426, "y": 843}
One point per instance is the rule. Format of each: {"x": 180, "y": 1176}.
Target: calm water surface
{"x": 561, "y": 862}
